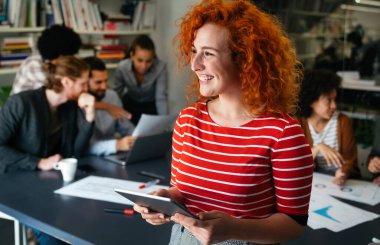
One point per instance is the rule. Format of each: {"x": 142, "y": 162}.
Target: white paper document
{"x": 154, "y": 124}
{"x": 327, "y": 212}
{"x": 355, "y": 190}
{"x": 102, "y": 188}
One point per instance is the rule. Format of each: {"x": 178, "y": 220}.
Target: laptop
{"x": 144, "y": 148}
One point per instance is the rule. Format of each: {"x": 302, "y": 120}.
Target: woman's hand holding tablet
{"x": 158, "y": 204}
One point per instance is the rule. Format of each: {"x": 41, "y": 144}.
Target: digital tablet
{"x": 155, "y": 203}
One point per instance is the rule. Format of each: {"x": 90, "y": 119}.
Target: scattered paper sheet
{"x": 328, "y": 212}
{"x": 102, "y": 188}
{"x": 355, "y": 190}
{"x": 154, "y": 124}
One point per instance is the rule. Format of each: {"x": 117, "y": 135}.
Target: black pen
{"x": 119, "y": 211}
{"x": 152, "y": 175}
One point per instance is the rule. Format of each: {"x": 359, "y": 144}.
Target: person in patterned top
{"x": 329, "y": 132}
{"x": 240, "y": 163}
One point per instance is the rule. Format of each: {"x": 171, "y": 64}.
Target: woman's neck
{"x": 229, "y": 112}
{"x": 318, "y": 123}
{"x": 54, "y": 99}
{"x": 139, "y": 77}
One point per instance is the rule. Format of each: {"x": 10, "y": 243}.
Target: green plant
{"x": 4, "y": 93}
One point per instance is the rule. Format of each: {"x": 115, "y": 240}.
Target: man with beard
{"x": 110, "y": 135}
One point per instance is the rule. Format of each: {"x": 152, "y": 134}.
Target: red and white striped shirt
{"x": 248, "y": 171}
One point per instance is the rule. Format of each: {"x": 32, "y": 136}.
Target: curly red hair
{"x": 269, "y": 69}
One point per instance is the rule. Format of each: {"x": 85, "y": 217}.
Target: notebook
{"x": 144, "y": 148}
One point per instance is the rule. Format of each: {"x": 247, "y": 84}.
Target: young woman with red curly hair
{"x": 240, "y": 162}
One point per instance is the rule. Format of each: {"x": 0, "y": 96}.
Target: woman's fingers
{"x": 332, "y": 157}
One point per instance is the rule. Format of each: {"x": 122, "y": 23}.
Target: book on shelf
{"x": 98, "y": 18}
{"x": 10, "y": 63}
{"x": 144, "y": 16}
{"x": 137, "y": 15}
{"x": 27, "y": 50}
{"x": 4, "y": 10}
{"x": 57, "y": 12}
{"x": 111, "y": 53}
{"x": 149, "y": 16}
{"x": 73, "y": 15}
{"x": 122, "y": 47}
{"x": 79, "y": 12}
{"x": 49, "y": 18}
{"x": 13, "y": 57}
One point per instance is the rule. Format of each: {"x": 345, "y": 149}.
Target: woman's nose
{"x": 197, "y": 63}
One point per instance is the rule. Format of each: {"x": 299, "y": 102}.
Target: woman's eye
{"x": 207, "y": 53}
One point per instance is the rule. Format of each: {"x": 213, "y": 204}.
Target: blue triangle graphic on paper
{"x": 323, "y": 212}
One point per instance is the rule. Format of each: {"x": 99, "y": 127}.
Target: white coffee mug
{"x": 68, "y": 166}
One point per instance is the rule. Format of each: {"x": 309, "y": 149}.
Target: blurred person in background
{"x": 141, "y": 80}
{"x": 329, "y": 133}
{"x": 110, "y": 135}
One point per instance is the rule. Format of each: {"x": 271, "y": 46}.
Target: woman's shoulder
{"x": 193, "y": 111}
{"x": 194, "y": 108}
{"x": 343, "y": 119}
{"x": 125, "y": 63}
{"x": 280, "y": 121}
{"x": 159, "y": 65}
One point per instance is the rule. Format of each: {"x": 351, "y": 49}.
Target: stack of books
{"x": 14, "y": 50}
{"x": 111, "y": 53}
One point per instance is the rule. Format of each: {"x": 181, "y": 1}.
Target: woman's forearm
{"x": 277, "y": 228}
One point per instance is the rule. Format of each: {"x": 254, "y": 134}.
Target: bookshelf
{"x": 21, "y": 29}
{"x": 116, "y": 32}
{"x": 121, "y": 28}
{"x": 37, "y": 30}
{"x": 314, "y": 26}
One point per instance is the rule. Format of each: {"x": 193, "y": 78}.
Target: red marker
{"x": 120, "y": 211}
{"x": 150, "y": 183}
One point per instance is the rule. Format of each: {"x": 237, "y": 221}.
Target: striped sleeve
{"x": 292, "y": 170}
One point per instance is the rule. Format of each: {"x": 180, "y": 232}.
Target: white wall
{"x": 169, "y": 13}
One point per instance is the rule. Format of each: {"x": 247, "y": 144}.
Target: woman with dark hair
{"x": 240, "y": 162}
{"x": 328, "y": 132}
{"x": 141, "y": 80}
{"x": 55, "y": 41}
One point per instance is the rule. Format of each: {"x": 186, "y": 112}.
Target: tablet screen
{"x": 155, "y": 203}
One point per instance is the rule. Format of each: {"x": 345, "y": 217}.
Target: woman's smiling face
{"x": 211, "y": 61}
